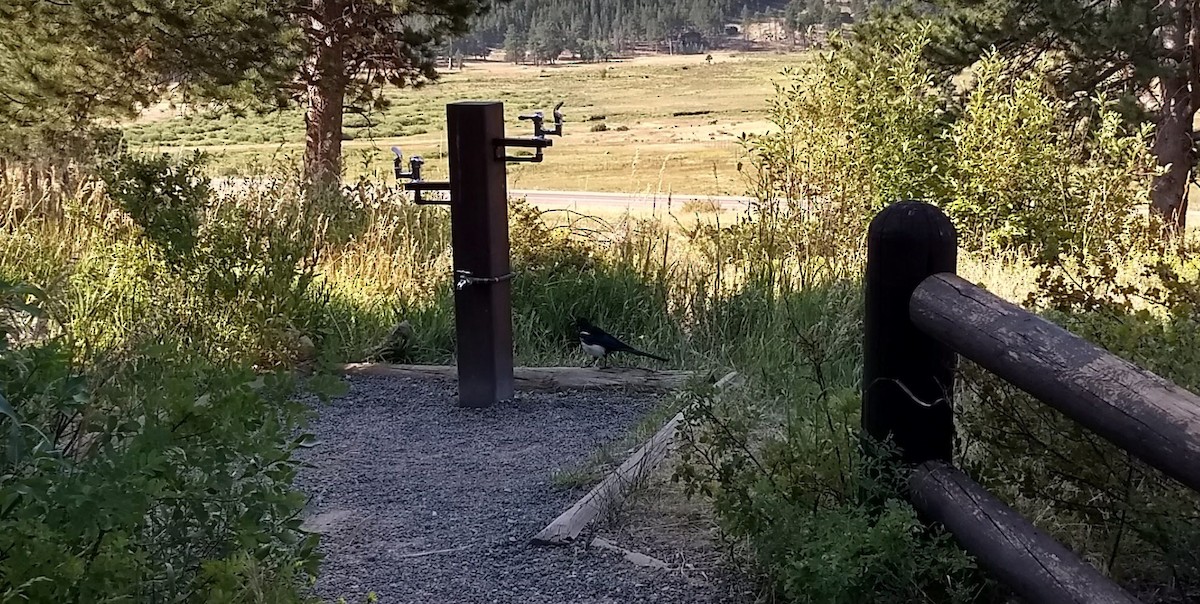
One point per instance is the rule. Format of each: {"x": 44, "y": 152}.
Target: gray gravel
{"x": 422, "y": 502}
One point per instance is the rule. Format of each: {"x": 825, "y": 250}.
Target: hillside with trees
{"x": 539, "y": 30}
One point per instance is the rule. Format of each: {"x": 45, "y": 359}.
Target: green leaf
{"x": 15, "y": 442}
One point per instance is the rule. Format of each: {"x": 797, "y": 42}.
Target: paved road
{"x": 580, "y": 200}
{"x": 587, "y": 199}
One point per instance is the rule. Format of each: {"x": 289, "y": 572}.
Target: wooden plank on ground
{"x": 1030, "y": 562}
{"x": 617, "y": 485}
{"x": 543, "y": 379}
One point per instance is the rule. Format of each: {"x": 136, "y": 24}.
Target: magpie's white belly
{"x": 594, "y": 350}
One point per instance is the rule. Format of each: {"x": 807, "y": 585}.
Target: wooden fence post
{"x": 908, "y": 377}
{"x": 482, "y": 273}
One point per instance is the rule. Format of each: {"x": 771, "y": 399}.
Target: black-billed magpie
{"x": 599, "y": 344}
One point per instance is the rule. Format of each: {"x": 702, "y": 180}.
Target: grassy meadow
{"x": 671, "y": 124}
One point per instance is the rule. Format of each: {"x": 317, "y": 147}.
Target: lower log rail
{"x": 1027, "y": 560}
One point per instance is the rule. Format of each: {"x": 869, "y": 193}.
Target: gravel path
{"x": 422, "y": 502}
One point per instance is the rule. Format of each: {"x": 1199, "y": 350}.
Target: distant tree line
{"x": 802, "y": 15}
{"x": 593, "y": 30}
{"x": 539, "y": 31}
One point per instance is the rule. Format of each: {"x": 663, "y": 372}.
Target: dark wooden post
{"x": 908, "y": 377}
{"x": 482, "y": 273}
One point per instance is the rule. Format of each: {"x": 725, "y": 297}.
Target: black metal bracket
{"x": 415, "y": 184}
{"x": 537, "y": 144}
{"x": 420, "y": 187}
{"x": 539, "y": 140}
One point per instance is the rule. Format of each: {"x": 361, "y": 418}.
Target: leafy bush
{"x": 781, "y": 464}
{"x": 862, "y": 128}
{"x": 165, "y": 200}
{"x": 868, "y": 126}
{"x": 853, "y": 131}
{"x": 1022, "y": 177}
{"x": 146, "y": 478}
{"x": 233, "y": 274}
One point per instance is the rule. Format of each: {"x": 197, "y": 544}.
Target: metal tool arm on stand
{"x": 478, "y": 200}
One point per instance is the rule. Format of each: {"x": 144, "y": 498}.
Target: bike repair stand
{"x": 478, "y": 187}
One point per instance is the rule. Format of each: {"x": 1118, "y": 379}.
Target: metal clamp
{"x": 419, "y": 187}
{"x": 539, "y": 140}
{"x": 416, "y": 185}
{"x": 463, "y": 278}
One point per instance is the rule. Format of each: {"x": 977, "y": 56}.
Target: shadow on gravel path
{"x": 422, "y": 502}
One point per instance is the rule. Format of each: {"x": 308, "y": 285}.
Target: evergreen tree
{"x": 704, "y": 17}
{"x": 616, "y": 21}
{"x": 67, "y": 64}
{"x": 354, "y": 48}
{"x": 64, "y": 66}
{"x": 815, "y": 11}
{"x": 793, "y": 15}
{"x": 1127, "y": 49}
{"x": 604, "y": 51}
{"x": 546, "y": 42}
{"x": 654, "y": 30}
{"x": 858, "y": 9}
{"x": 831, "y": 15}
{"x": 587, "y": 51}
{"x": 469, "y": 45}
{"x": 515, "y": 45}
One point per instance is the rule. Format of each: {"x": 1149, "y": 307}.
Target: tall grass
{"x": 143, "y": 458}
{"x": 363, "y": 259}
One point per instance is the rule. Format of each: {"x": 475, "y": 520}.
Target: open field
{"x": 672, "y": 123}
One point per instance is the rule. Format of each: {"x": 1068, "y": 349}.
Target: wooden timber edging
{"x": 543, "y": 379}
{"x": 619, "y": 483}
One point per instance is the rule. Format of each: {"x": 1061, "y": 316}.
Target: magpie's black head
{"x": 582, "y": 324}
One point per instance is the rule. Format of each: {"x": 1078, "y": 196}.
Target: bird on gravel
{"x": 598, "y": 344}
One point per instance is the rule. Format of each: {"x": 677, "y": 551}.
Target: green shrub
{"x": 1023, "y": 177}
{"x": 166, "y": 200}
{"x": 868, "y": 126}
{"x": 780, "y": 461}
{"x": 853, "y": 132}
{"x": 863, "y": 128}
{"x": 233, "y": 275}
{"x": 152, "y": 477}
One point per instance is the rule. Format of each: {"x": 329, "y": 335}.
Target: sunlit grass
{"x": 671, "y": 126}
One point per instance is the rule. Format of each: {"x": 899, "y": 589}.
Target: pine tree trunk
{"x": 1173, "y": 135}
{"x": 326, "y": 97}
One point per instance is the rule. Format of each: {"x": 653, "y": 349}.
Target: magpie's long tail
{"x": 645, "y": 354}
